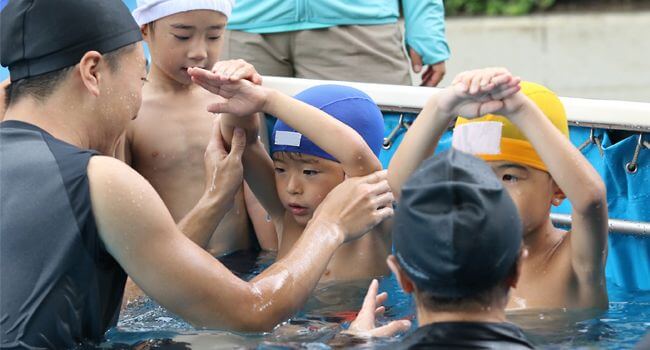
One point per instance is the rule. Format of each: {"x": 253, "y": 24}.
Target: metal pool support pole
{"x": 615, "y": 225}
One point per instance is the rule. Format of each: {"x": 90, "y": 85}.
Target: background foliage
{"x": 495, "y": 7}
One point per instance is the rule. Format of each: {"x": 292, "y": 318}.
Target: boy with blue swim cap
{"x": 520, "y": 129}
{"x": 325, "y": 134}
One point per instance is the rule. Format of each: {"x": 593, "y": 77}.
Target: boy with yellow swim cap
{"x": 521, "y": 130}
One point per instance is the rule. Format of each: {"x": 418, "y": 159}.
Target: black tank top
{"x": 467, "y": 335}
{"x": 58, "y": 284}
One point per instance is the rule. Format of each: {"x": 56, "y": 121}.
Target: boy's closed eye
{"x": 279, "y": 170}
{"x": 181, "y": 37}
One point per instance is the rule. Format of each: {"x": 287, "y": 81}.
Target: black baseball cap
{"x": 42, "y": 36}
{"x": 457, "y": 232}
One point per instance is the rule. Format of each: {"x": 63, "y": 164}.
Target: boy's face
{"x": 303, "y": 181}
{"x": 531, "y": 189}
{"x": 184, "y": 40}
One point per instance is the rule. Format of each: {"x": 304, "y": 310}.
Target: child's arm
{"x": 577, "y": 179}
{"x": 264, "y": 229}
{"x": 328, "y": 133}
{"x": 258, "y": 166}
{"x": 462, "y": 97}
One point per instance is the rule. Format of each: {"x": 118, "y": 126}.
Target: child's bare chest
{"x": 545, "y": 284}
{"x": 171, "y": 140}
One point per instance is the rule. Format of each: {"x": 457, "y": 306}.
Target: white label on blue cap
{"x": 287, "y": 138}
{"x": 478, "y": 138}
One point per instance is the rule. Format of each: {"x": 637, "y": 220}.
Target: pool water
{"x": 146, "y": 325}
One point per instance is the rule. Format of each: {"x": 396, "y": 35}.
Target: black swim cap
{"x": 457, "y": 231}
{"x": 42, "y": 36}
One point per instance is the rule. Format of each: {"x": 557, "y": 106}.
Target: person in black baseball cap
{"x": 75, "y": 220}
{"x": 457, "y": 243}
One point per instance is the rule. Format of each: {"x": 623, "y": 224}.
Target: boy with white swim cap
{"x": 167, "y": 141}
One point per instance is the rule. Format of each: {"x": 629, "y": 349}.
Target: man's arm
{"x": 140, "y": 234}
{"x": 224, "y": 176}
{"x": 578, "y": 180}
{"x": 258, "y": 165}
{"x": 424, "y": 22}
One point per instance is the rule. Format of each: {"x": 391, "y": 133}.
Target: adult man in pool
{"x": 74, "y": 221}
{"x": 458, "y": 245}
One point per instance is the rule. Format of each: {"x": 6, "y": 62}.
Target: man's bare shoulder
{"x": 109, "y": 171}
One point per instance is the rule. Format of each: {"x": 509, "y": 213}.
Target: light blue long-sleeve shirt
{"x": 424, "y": 19}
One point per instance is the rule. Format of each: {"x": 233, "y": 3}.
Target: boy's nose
{"x": 198, "y": 52}
{"x": 294, "y": 186}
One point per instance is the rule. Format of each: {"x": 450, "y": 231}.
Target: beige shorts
{"x": 371, "y": 53}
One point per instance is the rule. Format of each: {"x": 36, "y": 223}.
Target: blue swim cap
{"x": 349, "y": 105}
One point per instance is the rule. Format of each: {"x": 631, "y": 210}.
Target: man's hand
{"x": 233, "y": 70}
{"x": 434, "y": 72}
{"x": 478, "y": 92}
{"x": 223, "y": 170}
{"x": 364, "y": 324}
{"x": 358, "y": 204}
{"x": 243, "y": 97}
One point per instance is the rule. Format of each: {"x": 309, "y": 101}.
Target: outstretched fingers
{"x": 369, "y": 305}
{"x": 391, "y": 329}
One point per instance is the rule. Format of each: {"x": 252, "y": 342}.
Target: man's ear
{"x": 404, "y": 281}
{"x": 558, "y": 195}
{"x": 90, "y": 72}
{"x": 145, "y": 30}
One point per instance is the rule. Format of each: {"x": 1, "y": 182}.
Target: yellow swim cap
{"x": 514, "y": 146}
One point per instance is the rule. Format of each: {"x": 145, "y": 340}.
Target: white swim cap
{"x": 151, "y": 10}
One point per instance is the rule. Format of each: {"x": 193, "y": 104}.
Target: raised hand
{"x": 224, "y": 172}
{"x": 364, "y": 324}
{"x": 233, "y": 70}
{"x": 358, "y": 204}
{"x": 478, "y": 92}
{"x": 243, "y": 98}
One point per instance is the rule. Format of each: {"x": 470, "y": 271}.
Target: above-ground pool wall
{"x": 628, "y": 193}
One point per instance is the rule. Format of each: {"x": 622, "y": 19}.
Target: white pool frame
{"x": 608, "y": 114}
{"x": 604, "y": 114}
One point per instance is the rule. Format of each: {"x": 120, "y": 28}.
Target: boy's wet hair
{"x": 282, "y": 155}
{"x": 42, "y": 86}
{"x": 485, "y": 298}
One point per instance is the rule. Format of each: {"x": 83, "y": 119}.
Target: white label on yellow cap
{"x": 287, "y": 138}
{"x": 478, "y": 138}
